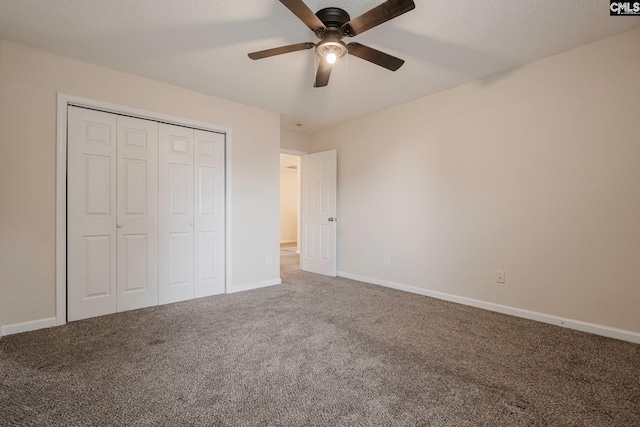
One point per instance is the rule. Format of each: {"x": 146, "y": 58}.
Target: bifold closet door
{"x": 137, "y": 220}
{"x": 91, "y": 214}
{"x": 145, "y": 213}
{"x": 192, "y": 209}
{"x": 176, "y": 213}
{"x": 209, "y": 238}
{"x": 112, "y": 213}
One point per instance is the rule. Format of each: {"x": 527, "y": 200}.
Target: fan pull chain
{"x": 348, "y": 72}
{"x": 314, "y": 71}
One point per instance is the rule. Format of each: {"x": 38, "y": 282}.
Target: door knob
{"x": 332, "y": 219}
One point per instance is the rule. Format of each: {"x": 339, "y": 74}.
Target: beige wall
{"x": 535, "y": 172}
{"x": 29, "y": 80}
{"x": 295, "y": 141}
{"x": 288, "y": 205}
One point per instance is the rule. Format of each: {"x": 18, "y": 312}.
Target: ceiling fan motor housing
{"x": 333, "y": 17}
{"x": 331, "y": 38}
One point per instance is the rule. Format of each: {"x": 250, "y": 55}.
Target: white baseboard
{"x": 606, "y": 331}
{"x": 51, "y": 321}
{"x": 32, "y": 325}
{"x": 592, "y": 328}
{"x": 255, "y": 285}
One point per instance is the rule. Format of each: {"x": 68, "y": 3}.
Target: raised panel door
{"x": 176, "y": 282}
{"x": 209, "y": 239}
{"x": 137, "y": 220}
{"x": 91, "y": 214}
{"x": 318, "y": 216}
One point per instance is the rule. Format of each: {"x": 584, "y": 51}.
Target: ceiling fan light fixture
{"x": 331, "y": 48}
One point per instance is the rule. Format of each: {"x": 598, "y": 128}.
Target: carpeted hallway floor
{"x": 316, "y": 352}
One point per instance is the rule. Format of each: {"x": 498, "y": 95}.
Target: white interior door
{"x": 176, "y": 213}
{"x": 209, "y": 238}
{"x": 91, "y": 214}
{"x": 137, "y": 221}
{"x": 318, "y": 243}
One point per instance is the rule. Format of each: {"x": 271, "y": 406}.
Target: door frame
{"x": 298, "y": 154}
{"x": 63, "y": 102}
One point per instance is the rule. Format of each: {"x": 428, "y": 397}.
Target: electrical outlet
{"x": 386, "y": 260}
{"x": 269, "y": 260}
{"x": 500, "y": 276}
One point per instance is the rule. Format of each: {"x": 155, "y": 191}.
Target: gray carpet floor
{"x": 316, "y": 351}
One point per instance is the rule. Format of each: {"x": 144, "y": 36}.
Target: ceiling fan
{"x": 331, "y": 25}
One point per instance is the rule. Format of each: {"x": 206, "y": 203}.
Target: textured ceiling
{"x": 203, "y": 44}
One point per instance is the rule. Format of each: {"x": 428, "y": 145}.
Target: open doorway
{"x": 289, "y": 209}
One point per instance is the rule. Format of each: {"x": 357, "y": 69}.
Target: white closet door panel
{"x": 209, "y": 252}
{"x": 137, "y": 221}
{"x": 91, "y": 214}
{"x": 176, "y": 213}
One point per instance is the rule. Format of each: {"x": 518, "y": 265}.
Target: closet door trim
{"x": 63, "y": 102}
